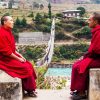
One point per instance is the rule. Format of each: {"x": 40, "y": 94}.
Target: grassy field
{"x": 56, "y": 8}
{"x": 19, "y": 13}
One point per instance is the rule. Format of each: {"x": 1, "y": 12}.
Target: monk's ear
{"x": 95, "y": 22}
{"x": 5, "y": 22}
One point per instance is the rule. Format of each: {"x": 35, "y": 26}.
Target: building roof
{"x": 71, "y": 11}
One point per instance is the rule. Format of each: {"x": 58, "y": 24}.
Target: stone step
{"x": 10, "y": 88}
{"x": 94, "y": 84}
{"x": 51, "y": 95}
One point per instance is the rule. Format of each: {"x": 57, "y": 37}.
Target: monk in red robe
{"x": 80, "y": 69}
{"x": 11, "y": 61}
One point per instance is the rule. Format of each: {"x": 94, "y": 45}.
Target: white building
{"x": 71, "y": 13}
{"x": 4, "y": 4}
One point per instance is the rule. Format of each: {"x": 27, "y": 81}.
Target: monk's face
{"x": 92, "y": 23}
{"x": 9, "y": 23}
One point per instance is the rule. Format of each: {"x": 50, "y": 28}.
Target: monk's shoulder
{"x": 2, "y": 33}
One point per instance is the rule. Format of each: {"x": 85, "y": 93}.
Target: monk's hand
{"x": 80, "y": 58}
{"x": 21, "y": 56}
{"x": 22, "y": 60}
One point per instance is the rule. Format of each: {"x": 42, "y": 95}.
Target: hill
{"x": 62, "y": 1}
{"x": 56, "y": 1}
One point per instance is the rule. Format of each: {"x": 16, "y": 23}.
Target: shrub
{"x": 81, "y": 22}
{"x": 70, "y": 27}
{"x": 74, "y": 21}
{"x": 83, "y": 32}
{"x": 61, "y": 36}
{"x": 41, "y": 82}
{"x": 31, "y": 52}
{"x": 7, "y": 14}
{"x": 59, "y": 15}
{"x": 31, "y": 14}
{"x": 59, "y": 24}
{"x": 70, "y": 52}
{"x": 64, "y": 52}
{"x": 44, "y": 28}
{"x": 45, "y": 15}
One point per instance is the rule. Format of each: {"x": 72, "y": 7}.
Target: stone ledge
{"x": 10, "y": 88}
{"x": 94, "y": 84}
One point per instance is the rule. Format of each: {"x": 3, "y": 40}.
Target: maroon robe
{"x": 79, "y": 78}
{"x": 13, "y": 67}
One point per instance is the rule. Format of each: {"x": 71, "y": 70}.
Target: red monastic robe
{"x": 79, "y": 76}
{"x": 12, "y": 66}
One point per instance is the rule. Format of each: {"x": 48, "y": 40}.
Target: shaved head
{"x": 96, "y": 16}
{"x": 7, "y": 21}
{"x": 4, "y": 18}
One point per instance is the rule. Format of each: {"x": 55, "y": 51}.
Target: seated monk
{"x": 80, "y": 69}
{"x": 13, "y": 62}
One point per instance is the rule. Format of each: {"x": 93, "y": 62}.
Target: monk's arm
{"x": 20, "y": 55}
{"x": 17, "y": 58}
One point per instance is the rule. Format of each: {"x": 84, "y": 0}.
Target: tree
{"x": 10, "y": 4}
{"x": 31, "y": 14}
{"x": 38, "y": 18}
{"x": 23, "y": 22}
{"x": 49, "y": 12}
{"x": 82, "y": 9}
{"x": 59, "y": 15}
{"x": 18, "y": 22}
{"x": 45, "y": 15}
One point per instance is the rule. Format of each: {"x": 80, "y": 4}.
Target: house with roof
{"x": 71, "y": 13}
